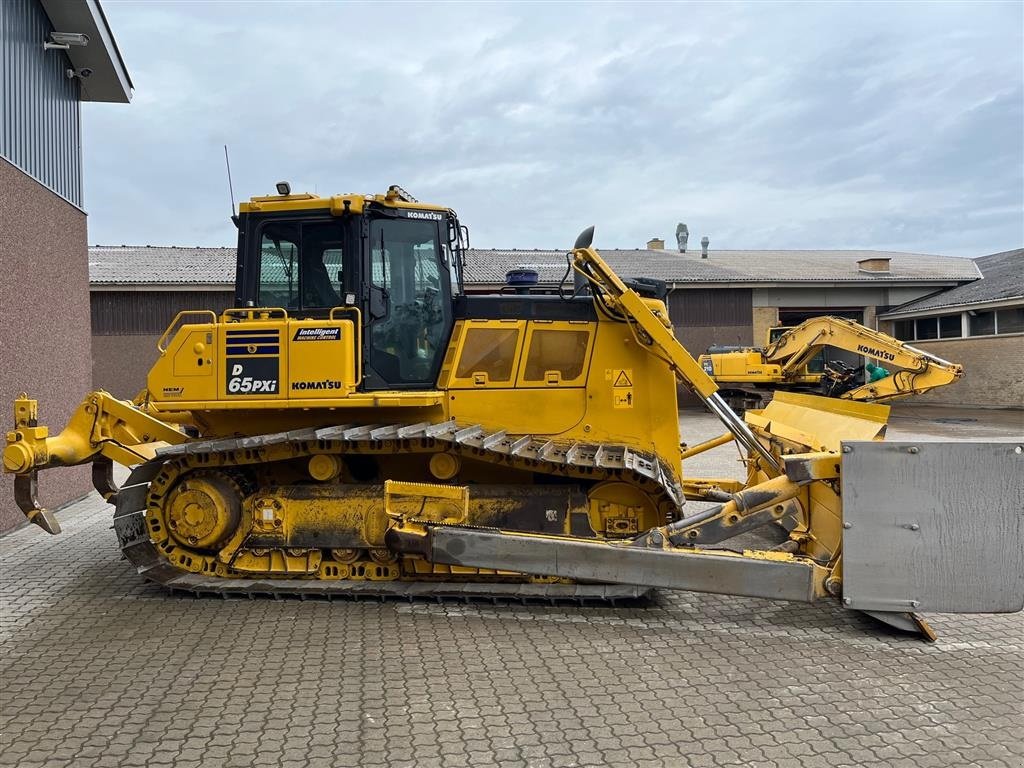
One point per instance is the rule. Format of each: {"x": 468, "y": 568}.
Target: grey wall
{"x": 40, "y": 124}
{"x": 127, "y": 313}
{"x": 831, "y": 295}
{"x": 120, "y": 364}
{"x": 705, "y": 316}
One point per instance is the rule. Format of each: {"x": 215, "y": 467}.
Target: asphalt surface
{"x": 98, "y": 668}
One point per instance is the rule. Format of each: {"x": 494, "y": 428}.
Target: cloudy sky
{"x": 762, "y": 125}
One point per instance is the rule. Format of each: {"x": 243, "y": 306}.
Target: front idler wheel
{"x": 203, "y": 510}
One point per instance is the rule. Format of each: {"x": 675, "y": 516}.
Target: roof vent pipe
{"x": 704, "y": 243}
{"x": 682, "y": 236}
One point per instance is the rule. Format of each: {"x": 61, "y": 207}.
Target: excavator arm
{"x": 918, "y": 371}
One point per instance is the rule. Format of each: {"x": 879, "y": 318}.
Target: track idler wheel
{"x": 383, "y": 556}
{"x": 203, "y": 510}
{"x": 346, "y": 555}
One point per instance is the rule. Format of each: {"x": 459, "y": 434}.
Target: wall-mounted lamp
{"x": 62, "y": 41}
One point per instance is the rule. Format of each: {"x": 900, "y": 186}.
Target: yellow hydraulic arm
{"x": 919, "y": 370}
{"x": 655, "y": 333}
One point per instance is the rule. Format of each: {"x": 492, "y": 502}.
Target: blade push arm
{"x": 919, "y": 371}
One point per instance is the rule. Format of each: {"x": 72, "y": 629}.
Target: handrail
{"x": 359, "y": 338}
{"x": 173, "y": 326}
{"x": 255, "y": 313}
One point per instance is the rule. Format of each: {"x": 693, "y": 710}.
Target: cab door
{"x": 408, "y": 303}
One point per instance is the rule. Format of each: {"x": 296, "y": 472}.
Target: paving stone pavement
{"x": 98, "y": 668}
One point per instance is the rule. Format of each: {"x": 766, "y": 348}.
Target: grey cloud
{"x": 801, "y": 126}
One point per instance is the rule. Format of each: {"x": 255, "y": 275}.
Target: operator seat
{"x": 317, "y": 284}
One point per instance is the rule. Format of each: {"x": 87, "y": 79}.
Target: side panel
{"x": 273, "y": 360}
{"x": 934, "y": 526}
{"x": 187, "y": 368}
{"x": 321, "y": 359}
{"x": 253, "y": 357}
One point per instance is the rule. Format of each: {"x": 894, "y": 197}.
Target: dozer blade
{"x": 933, "y": 527}
{"x": 819, "y": 423}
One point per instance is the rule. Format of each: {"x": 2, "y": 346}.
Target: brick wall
{"x": 764, "y": 318}
{"x": 993, "y": 372}
{"x": 44, "y": 321}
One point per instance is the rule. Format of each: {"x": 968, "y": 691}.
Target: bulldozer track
{"x": 597, "y": 461}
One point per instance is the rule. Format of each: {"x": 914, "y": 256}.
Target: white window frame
{"x": 965, "y": 324}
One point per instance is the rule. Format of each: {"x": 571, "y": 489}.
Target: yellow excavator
{"x": 747, "y": 376}
{"x": 358, "y": 425}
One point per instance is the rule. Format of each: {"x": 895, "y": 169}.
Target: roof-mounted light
{"x": 395, "y": 192}
{"x": 284, "y": 188}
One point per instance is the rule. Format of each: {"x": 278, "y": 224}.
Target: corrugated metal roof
{"x": 1002, "y": 279}
{"x": 170, "y": 265}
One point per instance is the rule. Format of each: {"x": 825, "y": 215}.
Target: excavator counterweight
{"x": 358, "y": 425}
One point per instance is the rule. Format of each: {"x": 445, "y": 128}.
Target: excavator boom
{"x": 918, "y": 371}
{"x": 904, "y": 371}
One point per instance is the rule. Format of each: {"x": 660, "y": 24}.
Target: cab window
{"x": 301, "y": 265}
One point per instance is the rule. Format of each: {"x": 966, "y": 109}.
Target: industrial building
{"x": 725, "y": 297}
{"x": 734, "y": 297}
{"x": 54, "y": 55}
{"x": 979, "y": 325}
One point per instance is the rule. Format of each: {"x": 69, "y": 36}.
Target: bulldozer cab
{"x": 399, "y": 267}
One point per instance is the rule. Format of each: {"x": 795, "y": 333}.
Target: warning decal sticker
{"x": 622, "y": 386}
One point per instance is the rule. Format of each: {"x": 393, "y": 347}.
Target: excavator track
{"x": 597, "y": 461}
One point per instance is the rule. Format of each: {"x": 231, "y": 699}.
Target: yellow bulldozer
{"x": 358, "y": 425}
{"x": 747, "y": 376}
